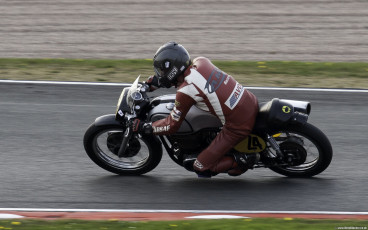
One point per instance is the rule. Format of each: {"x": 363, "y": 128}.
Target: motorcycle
{"x": 286, "y": 142}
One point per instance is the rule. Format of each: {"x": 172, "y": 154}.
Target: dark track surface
{"x": 314, "y": 30}
{"x": 43, "y": 163}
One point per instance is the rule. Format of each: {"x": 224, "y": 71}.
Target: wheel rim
{"x": 104, "y": 149}
{"x": 313, "y": 151}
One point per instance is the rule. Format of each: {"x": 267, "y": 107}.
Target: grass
{"x": 239, "y": 224}
{"x": 250, "y": 73}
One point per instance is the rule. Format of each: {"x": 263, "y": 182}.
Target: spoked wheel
{"x": 307, "y": 151}
{"x": 102, "y": 144}
{"x": 114, "y": 141}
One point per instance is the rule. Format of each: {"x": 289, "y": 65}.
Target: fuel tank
{"x": 195, "y": 120}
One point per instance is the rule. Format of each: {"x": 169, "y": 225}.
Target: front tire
{"x": 103, "y": 142}
{"x": 311, "y": 147}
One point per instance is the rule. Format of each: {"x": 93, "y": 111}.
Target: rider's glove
{"x": 153, "y": 83}
{"x": 141, "y": 127}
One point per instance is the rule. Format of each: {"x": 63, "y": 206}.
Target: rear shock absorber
{"x": 275, "y": 146}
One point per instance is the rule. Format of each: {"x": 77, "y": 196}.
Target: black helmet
{"x": 169, "y": 62}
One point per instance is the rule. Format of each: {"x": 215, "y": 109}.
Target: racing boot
{"x": 188, "y": 164}
{"x": 244, "y": 162}
{"x": 189, "y": 161}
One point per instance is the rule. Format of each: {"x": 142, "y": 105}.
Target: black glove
{"x": 141, "y": 127}
{"x": 153, "y": 83}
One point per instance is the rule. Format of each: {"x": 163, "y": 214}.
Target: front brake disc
{"x": 114, "y": 140}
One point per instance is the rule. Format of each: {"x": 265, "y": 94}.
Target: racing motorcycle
{"x": 285, "y": 141}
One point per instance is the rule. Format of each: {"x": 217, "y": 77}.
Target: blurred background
{"x": 313, "y": 30}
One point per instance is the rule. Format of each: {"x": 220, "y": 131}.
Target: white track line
{"x": 125, "y": 84}
{"x": 312, "y": 89}
{"x": 217, "y": 217}
{"x": 181, "y": 211}
{"x": 64, "y": 83}
{"x": 10, "y": 216}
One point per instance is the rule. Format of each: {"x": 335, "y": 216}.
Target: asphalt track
{"x": 44, "y": 164}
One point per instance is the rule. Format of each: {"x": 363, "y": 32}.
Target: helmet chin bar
{"x": 165, "y": 82}
{"x": 175, "y": 83}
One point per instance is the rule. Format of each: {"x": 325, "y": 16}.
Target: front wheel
{"x": 102, "y": 144}
{"x": 308, "y": 149}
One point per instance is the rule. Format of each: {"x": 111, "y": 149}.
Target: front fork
{"x": 124, "y": 144}
{"x": 128, "y": 133}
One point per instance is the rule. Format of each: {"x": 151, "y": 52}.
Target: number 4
{"x": 253, "y": 143}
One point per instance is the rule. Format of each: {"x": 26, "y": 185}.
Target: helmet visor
{"x": 159, "y": 72}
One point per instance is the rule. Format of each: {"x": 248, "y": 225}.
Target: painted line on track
{"x": 9, "y": 216}
{"x": 63, "y": 83}
{"x": 181, "y": 211}
{"x": 163, "y": 215}
{"x": 126, "y": 84}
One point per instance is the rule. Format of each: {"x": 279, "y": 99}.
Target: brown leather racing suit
{"x": 212, "y": 90}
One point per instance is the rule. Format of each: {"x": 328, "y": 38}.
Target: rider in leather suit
{"x": 202, "y": 84}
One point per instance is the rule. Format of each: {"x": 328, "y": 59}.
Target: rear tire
{"x": 322, "y": 145}
{"x": 144, "y": 154}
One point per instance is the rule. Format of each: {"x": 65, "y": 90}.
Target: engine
{"x": 193, "y": 143}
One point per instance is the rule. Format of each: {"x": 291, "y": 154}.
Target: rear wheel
{"x": 307, "y": 150}
{"x": 102, "y": 144}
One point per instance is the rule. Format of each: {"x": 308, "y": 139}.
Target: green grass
{"x": 240, "y": 224}
{"x": 250, "y": 73}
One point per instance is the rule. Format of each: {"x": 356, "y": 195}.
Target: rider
{"x": 202, "y": 84}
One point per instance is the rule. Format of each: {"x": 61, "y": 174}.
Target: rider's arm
{"x": 172, "y": 123}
